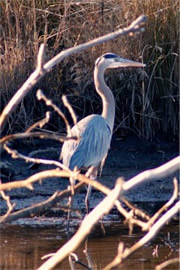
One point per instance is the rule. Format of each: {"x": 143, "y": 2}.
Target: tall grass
{"x": 146, "y": 102}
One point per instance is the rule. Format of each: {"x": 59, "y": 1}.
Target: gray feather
{"x": 92, "y": 148}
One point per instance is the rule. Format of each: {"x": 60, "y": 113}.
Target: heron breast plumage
{"x": 93, "y": 145}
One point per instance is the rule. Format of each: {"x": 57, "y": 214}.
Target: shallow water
{"x": 22, "y": 248}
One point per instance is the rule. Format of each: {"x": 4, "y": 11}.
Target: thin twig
{"x": 40, "y": 123}
{"x": 69, "y": 107}
{"x": 136, "y": 211}
{"x": 16, "y": 154}
{"x": 41, "y": 135}
{"x": 10, "y": 206}
{"x": 49, "y": 102}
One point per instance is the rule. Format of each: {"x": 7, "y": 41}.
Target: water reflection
{"x": 22, "y": 248}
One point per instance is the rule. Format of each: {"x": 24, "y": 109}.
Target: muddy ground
{"x": 127, "y": 157}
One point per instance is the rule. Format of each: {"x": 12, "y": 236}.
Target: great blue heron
{"x": 95, "y": 131}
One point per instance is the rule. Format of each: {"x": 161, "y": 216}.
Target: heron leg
{"x": 87, "y": 254}
{"x": 70, "y": 203}
{"x": 87, "y": 198}
{"x": 92, "y": 174}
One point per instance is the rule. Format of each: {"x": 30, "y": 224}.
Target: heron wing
{"x": 95, "y": 138}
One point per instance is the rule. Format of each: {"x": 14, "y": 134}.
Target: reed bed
{"x": 146, "y": 100}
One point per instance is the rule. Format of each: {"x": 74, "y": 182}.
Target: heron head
{"x": 111, "y": 60}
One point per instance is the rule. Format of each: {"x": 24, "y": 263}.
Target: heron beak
{"x": 122, "y": 62}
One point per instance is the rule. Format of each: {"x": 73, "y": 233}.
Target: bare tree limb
{"x": 39, "y": 207}
{"x": 157, "y": 173}
{"x": 10, "y": 206}
{"x": 41, "y": 135}
{"x": 48, "y": 102}
{"x": 16, "y": 154}
{"x": 28, "y": 183}
{"x": 67, "y": 174}
{"x": 149, "y": 236}
{"x": 136, "y": 211}
{"x": 166, "y": 263}
{"x": 50, "y": 174}
{"x": 34, "y": 178}
{"x": 82, "y": 178}
{"x": 153, "y": 174}
{"x": 70, "y": 109}
{"x": 40, "y": 123}
{"x": 164, "y": 207}
{"x": 41, "y": 69}
{"x": 127, "y": 252}
{"x": 40, "y": 58}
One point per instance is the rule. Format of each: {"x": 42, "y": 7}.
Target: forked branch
{"x": 123, "y": 254}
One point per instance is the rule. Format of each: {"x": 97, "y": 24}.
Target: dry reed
{"x": 145, "y": 104}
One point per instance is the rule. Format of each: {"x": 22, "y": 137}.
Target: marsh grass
{"x": 146, "y": 101}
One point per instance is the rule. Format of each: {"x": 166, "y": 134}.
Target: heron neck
{"x": 108, "y": 110}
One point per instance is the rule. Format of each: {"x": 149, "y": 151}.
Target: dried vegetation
{"x": 145, "y": 104}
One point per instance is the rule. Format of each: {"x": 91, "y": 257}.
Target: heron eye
{"x": 110, "y": 55}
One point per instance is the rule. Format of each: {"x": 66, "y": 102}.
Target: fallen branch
{"x": 164, "y": 207}
{"x": 40, "y": 207}
{"x": 28, "y": 183}
{"x": 86, "y": 226}
{"x": 171, "y": 166}
{"x": 124, "y": 253}
{"x": 153, "y": 174}
{"x": 52, "y": 174}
